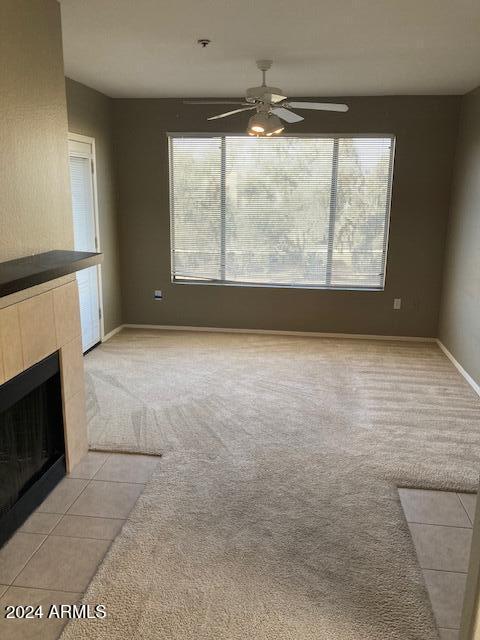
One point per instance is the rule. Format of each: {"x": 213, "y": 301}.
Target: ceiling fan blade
{"x": 214, "y": 102}
{"x": 287, "y": 115}
{"x": 230, "y": 113}
{"x": 319, "y": 106}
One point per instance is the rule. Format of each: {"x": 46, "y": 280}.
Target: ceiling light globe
{"x": 274, "y": 125}
{"x": 258, "y": 123}
{"x": 264, "y": 124}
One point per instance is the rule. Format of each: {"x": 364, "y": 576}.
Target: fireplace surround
{"x": 43, "y": 430}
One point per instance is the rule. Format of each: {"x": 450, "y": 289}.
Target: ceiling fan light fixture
{"x": 264, "y": 124}
{"x": 274, "y": 125}
{"x": 258, "y": 123}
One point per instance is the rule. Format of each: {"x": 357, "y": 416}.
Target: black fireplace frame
{"x": 34, "y": 494}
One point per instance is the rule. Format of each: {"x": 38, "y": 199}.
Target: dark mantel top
{"x": 23, "y": 273}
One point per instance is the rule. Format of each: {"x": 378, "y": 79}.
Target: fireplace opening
{"x": 32, "y": 446}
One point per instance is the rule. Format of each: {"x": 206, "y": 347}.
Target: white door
{"x": 81, "y": 153}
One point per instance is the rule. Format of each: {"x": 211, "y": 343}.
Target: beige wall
{"x": 426, "y": 130}
{"x": 89, "y": 113}
{"x": 460, "y": 311}
{"x": 35, "y": 213}
{"x": 459, "y": 324}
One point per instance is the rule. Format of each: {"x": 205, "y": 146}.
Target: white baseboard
{"x": 459, "y": 367}
{"x": 309, "y": 334}
{"x": 109, "y": 335}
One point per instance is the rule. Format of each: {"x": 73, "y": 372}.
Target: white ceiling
{"x": 148, "y": 48}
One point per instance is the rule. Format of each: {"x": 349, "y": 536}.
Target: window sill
{"x": 252, "y": 285}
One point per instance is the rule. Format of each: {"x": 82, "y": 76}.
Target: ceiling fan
{"x": 271, "y": 107}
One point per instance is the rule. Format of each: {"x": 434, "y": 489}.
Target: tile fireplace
{"x": 43, "y": 431}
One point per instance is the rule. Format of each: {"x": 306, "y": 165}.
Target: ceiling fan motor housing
{"x": 262, "y": 94}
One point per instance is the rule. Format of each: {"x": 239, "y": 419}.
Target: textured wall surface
{"x": 459, "y": 318}
{"x": 89, "y": 113}
{"x": 35, "y": 209}
{"x": 425, "y": 128}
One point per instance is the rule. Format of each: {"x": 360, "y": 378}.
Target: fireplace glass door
{"x": 31, "y": 440}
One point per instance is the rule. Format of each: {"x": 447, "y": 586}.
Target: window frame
{"x": 171, "y": 135}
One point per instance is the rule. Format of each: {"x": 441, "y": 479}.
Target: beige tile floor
{"x": 55, "y": 554}
{"x": 441, "y": 526}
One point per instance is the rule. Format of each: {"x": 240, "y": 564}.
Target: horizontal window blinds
{"x": 287, "y": 211}
{"x": 82, "y": 202}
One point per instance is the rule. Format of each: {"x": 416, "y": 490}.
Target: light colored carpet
{"x": 274, "y": 512}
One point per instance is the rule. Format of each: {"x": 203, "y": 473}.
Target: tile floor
{"x": 54, "y": 555}
{"x": 441, "y": 525}
{"x": 41, "y": 565}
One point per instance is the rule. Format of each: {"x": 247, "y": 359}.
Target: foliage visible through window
{"x": 288, "y": 211}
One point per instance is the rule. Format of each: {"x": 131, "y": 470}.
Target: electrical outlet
{"x": 158, "y": 295}
{"x": 397, "y": 303}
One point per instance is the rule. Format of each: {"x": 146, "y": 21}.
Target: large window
{"x": 288, "y": 211}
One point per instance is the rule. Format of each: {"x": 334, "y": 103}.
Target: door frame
{"x": 78, "y": 137}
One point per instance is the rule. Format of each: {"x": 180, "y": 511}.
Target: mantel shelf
{"x": 23, "y": 273}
